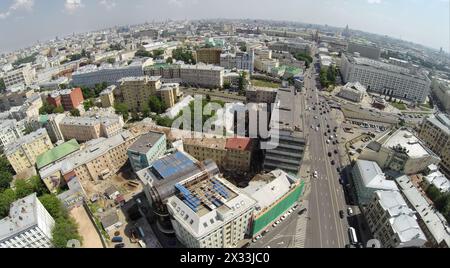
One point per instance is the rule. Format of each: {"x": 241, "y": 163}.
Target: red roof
{"x": 241, "y": 144}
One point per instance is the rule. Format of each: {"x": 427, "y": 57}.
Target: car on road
{"x": 333, "y": 162}
{"x": 330, "y": 155}
{"x": 350, "y": 211}
{"x": 315, "y": 175}
{"x": 336, "y": 152}
{"x": 283, "y": 217}
{"x": 341, "y": 214}
{"x": 328, "y": 141}
{"x": 121, "y": 245}
{"x": 317, "y": 129}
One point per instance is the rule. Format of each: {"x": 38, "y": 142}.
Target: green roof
{"x": 43, "y": 119}
{"x": 57, "y": 153}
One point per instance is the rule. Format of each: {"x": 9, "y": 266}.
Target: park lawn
{"x": 262, "y": 83}
{"x": 400, "y": 106}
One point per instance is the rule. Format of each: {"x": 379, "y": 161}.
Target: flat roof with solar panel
{"x": 173, "y": 165}
{"x": 203, "y": 195}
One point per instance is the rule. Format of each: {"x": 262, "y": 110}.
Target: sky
{"x": 23, "y": 22}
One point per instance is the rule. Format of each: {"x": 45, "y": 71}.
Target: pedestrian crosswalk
{"x": 300, "y": 232}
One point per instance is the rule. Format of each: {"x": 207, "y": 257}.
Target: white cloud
{"x": 182, "y": 3}
{"x": 18, "y": 5}
{"x": 374, "y": 1}
{"x": 73, "y": 5}
{"x": 108, "y": 4}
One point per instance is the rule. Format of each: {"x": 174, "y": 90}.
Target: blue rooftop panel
{"x": 172, "y": 164}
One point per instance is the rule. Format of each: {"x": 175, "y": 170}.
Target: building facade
{"x": 147, "y": 149}
{"x": 23, "y": 152}
{"x": 239, "y": 60}
{"x": 136, "y": 91}
{"x": 69, "y": 98}
{"x": 392, "y": 222}
{"x": 387, "y": 79}
{"x": 24, "y": 75}
{"x": 353, "y": 91}
{"x": 209, "y": 55}
{"x": 88, "y": 128}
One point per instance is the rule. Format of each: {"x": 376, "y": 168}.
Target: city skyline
{"x": 82, "y": 16}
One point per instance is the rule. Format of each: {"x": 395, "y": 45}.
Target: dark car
{"x": 336, "y": 152}
{"x": 117, "y": 239}
{"x": 329, "y": 131}
{"x": 341, "y": 214}
{"x": 333, "y": 163}
{"x": 121, "y": 245}
{"x": 328, "y": 126}
{"x": 329, "y": 154}
{"x": 335, "y": 130}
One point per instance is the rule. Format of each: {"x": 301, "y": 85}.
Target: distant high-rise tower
{"x": 346, "y": 33}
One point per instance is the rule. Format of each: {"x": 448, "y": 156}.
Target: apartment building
{"x": 23, "y": 152}
{"x": 275, "y": 193}
{"x": 168, "y": 72}
{"x": 210, "y": 212}
{"x": 10, "y": 130}
{"x": 107, "y": 96}
{"x": 99, "y": 160}
{"x": 384, "y": 78}
{"x": 239, "y": 60}
{"x": 266, "y": 65}
{"x": 91, "y": 75}
{"x": 147, "y": 149}
{"x": 92, "y": 127}
{"x": 69, "y": 98}
{"x": 24, "y": 75}
{"x": 233, "y": 154}
{"x": 369, "y": 178}
{"x": 435, "y": 132}
{"x": 286, "y": 144}
{"x": 261, "y": 95}
{"x": 400, "y": 151}
{"x": 353, "y": 91}
{"x": 432, "y": 223}
{"x": 392, "y": 222}
{"x": 29, "y": 225}
{"x": 17, "y": 98}
{"x": 209, "y": 55}
{"x": 136, "y": 91}
{"x": 365, "y": 50}
{"x": 292, "y": 47}
{"x": 51, "y": 124}
{"x": 202, "y": 75}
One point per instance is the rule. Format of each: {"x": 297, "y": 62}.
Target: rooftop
{"x": 373, "y": 177}
{"x": 238, "y": 143}
{"x": 357, "y": 87}
{"x": 145, "y": 142}
{"x": 213, "y": 143}
{"x": 12, "y": 147}
{"x": 433, "y": 220}
{"x": 22, "y": 215}
{"x": 57, "y": 153}
{"x": 413, "y": 147}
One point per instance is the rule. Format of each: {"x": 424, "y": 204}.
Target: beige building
{"x": 435, "y": 132}
{"x": 136, "y": 91}
{"x": 107, "y": 97}
{"x": 99, "y": 160}
{"x": 169, "y": 94}
{"x": 24, "y": 75}
{"x": 209, "y": 55}
{"x": 23, "y": 152}
{"x": 230, "y": 154}
{"x": 90, "y": 127}
{"x": 202, "y": 75}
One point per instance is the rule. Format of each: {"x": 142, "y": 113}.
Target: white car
{"x": 328, "y": 141}
{"x": 283, "y": 217}
{"x": 315, "y": 175}
{"x": 350, "y": 211}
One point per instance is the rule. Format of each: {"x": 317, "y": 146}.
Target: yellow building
{"x": 234, "y": 154}
{"x": 100, "y": 160}
{"x": 22, "y": 153}
{"x": 169, "y": 94}
{"x": 107, "y": 97}
{"x": 136, "y": 91}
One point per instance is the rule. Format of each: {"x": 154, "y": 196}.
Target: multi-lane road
{"x": 325, "y": 228}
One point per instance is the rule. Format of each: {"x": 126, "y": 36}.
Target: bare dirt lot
{"x": 91, "y": 239}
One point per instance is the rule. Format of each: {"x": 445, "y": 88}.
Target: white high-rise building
{"x": 24, "y": 75}
{"x": 209, "y": 212}
{"x": 29, "y": 225}
{"x": 386, "y": 79}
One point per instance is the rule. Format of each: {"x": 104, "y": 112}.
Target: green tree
{"x": 23, "y": 188}
{"x": 441, "y": 202}
{"x": 156, "y": 105}
{"x": 5, "y": 179}
{"x": 53, "y": 205}
{"x": 47, "y": 108}
{"x": 143, "y": 54}
{"x": 226, "y": 85}
{"x": 183, "y": 55}
{"x": 2, "y": 85}
{"x": 65, "y": 229}
{"x": 5, "y": 165}
{"x": 63, "y": 86}
{"x": 6, "y": 198}
{"x": 111, "y": 60}
{"x": 122, "y": 109}
{"x": 242, "y": 83}
{"x": 164, "y": 121}
{"x": 158, "y": 52}
{"x": 145, "y": 111}
{"x": 88, "y": 104}
{"x": 37, "y": 185}
{"x": 58, "y": 110}
{"x": 433, "y": 192}
{"x": 169, "y": 60}
{"x": 75, "y": 112}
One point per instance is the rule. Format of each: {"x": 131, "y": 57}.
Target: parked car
{"x": 333, "y": 162}
{"x": 121, "y": 245}
{"x": 117, "y": 239}
{"x": 350, "y": 211}
{"x": 341, "y": 214}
